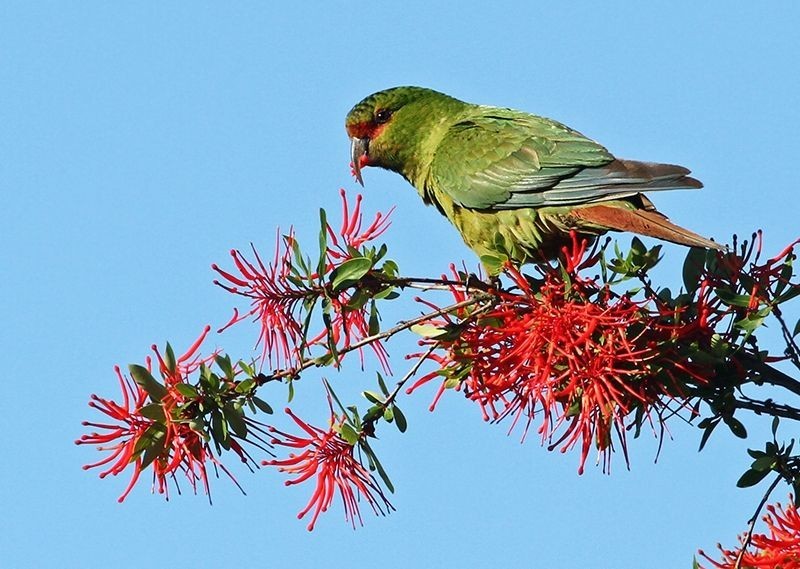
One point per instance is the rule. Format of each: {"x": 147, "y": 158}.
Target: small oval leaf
{"x": 751, "y": 478}
{"x": 350, "y": 272}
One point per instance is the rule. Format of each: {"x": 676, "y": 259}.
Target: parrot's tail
{"x": 644, "y": 222}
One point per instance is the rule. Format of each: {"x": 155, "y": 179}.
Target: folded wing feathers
{"x": 618, "y": 179}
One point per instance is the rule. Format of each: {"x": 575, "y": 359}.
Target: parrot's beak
{"x": 359, "y": 147}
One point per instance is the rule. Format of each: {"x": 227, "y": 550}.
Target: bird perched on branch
{"x": 512, "y": 183}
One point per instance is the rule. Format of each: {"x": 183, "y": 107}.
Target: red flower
{"x": 155, "y": 433}
{"x": 124, "y": 435}
{"x": 738, "y": 277}
{"x": 352, "y": 236}
{"x": 330, "y": 459}
{"x": 279, "y": 290}
{"x": 778, "y": 550}
{"x": 583, "y": 358}
{"x": 275, "y": 300}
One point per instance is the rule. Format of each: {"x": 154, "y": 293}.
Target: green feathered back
{"x": 493, "y": 155}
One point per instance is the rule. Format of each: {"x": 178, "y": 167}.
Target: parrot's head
{"x": 393, "y": 129}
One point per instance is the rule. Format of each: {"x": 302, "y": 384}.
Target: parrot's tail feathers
{"x": 616, "y": 180}
{"x": 644, "y": 222}
{"x": 626, "y": 174}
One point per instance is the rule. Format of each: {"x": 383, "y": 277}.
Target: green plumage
{"x": 513, "y": 184}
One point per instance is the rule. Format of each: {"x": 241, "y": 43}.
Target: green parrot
{"x": 512, "y": 183}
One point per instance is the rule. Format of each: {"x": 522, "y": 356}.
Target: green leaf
{"x": 374, "y": 320}
{"x": 235, "y": 418}
{"x": 169, "y": 358}
{"x": 753, "y": 319}
{"x": 358, "y": 300}
{"x": 731, "y": 298}
{"x": 708, "y": 428}
{"x": 245, "y": 386}
{"x": 784, "y": 278}
{"x": 219, "y": 429}
{"x": 493, "y": 263}
{"x": 637, "y": 246}
{"x": 388, "y": 415}
{"x": 427, "y": 330}
{"x": 751, "y": 478}
{"x": 349, "y": 273}
{"x": 372, "y": 397}
{"x": 335, "y": 397}
{"x": 187, "y": 390}
{"x": 763, "y": 463}
{"x": 374, "y": 462}
{"x": 224, "y": 364}
{"x": 789, "y": 295}
{"x": 153, "y": 411}
{"x": 382, "y": 384}
{"x": 290, "y": 396}
{"x": 297, "y": 254}
{"x": 775, "y": 422}
{"x": 381, "y": 252}
{"x": 390, "y": 268}
{"x": 373, "y": 413}
{"x": 152, "y": 442}
{"x": 452, "y": 382}
{"x": 388, "y": 293}
{"x": 736, "y": 427}
{"x": 146, "y": 381}
{"x": 349, "y": 434}
{"x": 693, "y": 268}
{"x": 262, "y": 405}
{"x": 246, "y": 368}
{"x": 323, "y": 242}
{"x": 400, "y": 419}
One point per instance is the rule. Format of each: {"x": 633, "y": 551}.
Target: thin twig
{"x": 473, "y": 283}
{"x": 749, "y": 536}
{"x": 424, "y": 286}
{"x": 793, "y": 349}
{"x": 399, "y": 327}
{"x": 399, "y": 385}
{"x": 768, "y": 408}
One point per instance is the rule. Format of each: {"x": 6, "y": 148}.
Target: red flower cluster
{"x": 279, "y": 290}
{"x": 330, "y": 459}
{"x": 154, "y": 433}
{"x": 583, "y": 357}
{"x": 275, "y": 298}
{"x": 740, "y": 287}
{"x": 778, "y": 550}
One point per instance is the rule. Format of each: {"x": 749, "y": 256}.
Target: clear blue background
{"x": 138, "y": 144}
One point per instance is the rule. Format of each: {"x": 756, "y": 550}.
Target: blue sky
{"x": 139, "y": 143}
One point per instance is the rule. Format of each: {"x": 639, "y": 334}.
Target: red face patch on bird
{"x": 365, "y": 129}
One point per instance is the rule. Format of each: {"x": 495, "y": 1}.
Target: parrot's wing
{"x": 503, "y": 159}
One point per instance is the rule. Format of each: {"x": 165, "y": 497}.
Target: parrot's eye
{"x": 382, "y": 116}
